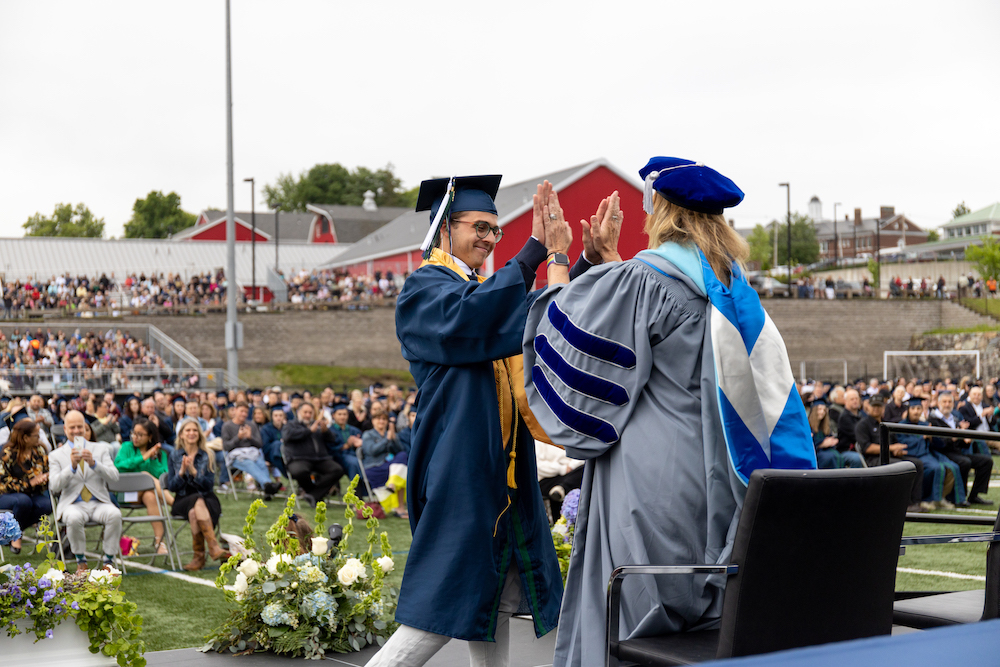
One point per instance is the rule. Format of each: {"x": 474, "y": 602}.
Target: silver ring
{"x": 614, "y": 218}
{"x": 552, "y": 216}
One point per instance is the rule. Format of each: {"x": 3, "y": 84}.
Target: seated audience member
{"x": 24, "y": 476}
{"x": 143, "y": 453}
{"x": 385, "y": 464}
{"x": 103, "y": 424}
{"x": 191, "y": 475}
{"x": 895, "y": 407}
{"x": 307, "y": 442}
{"x": 161, "y": 421}
{"x": 244, "y": 450}
{"x": 405, "y": 434}
{"x": 940, "y": 472}
{"x": 270, "y": 437}
{"x": 980, "y": 417}
{"x": 131, "y": 411}
{"x": 38, "y": 413}
{"x": 557, "y": 474}
{"x": 867, "y": 443}
{"x": 826, "y": 443}
{"x": 79, "y": 472}
{"x": 960, "y": 451}
{"x": 849, "y": 418}
{"x": 193, "y": 411}
{"x": 208, "y": 416}
{"x": 358, "y": 413}
{"x": 347, "y": 440}
{"x": 178, "y": 411}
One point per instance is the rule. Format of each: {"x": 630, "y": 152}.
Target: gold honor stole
{"x": 508, "y": 373}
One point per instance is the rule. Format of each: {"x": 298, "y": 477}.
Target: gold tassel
{"x": 511, "y": 482}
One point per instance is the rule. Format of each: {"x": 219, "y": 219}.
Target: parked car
{"x": 767, "y": 287}
{"x": 849, "y": 289}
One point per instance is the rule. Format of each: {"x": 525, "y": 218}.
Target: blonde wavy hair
{"x": 721, "y": 244}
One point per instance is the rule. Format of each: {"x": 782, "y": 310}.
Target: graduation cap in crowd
{"x": 689, "y": 184}
{"x": 444, "y": 196}
{"x": 876, "y": 401}
{"x": 915, "y": 403}
{"x": 11, "y": 418}
{"x": 340, "y": 406}
{"x": 295, "y": 395}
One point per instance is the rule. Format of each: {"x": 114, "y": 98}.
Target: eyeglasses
{"x": 483, "y": 229}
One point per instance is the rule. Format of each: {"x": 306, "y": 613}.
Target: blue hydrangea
{"x": 9, "y": 529}
{"x": 274, "y": 615}
{"x": 571, "y": 506}
{"x": 319, "y": 604}
{"x": 306, "y": 559}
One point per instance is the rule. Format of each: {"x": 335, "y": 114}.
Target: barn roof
{"x": 353, "y": 223}
{"x": 406, "y": 233}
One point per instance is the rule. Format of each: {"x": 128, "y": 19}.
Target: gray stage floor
{"x": 525, "y": 651}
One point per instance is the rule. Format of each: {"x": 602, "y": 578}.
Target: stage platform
{"x": 525, "y": 651}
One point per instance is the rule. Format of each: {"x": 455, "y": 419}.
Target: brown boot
{"x": 214, "y": 550}
{"x": 198, "y": 561}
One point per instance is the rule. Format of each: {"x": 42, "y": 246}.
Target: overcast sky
{"x": 863, "y": 103}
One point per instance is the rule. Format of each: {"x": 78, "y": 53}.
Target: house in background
{"x": 860, "y": 237}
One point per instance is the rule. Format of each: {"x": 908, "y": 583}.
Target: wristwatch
{"x": 558, "y": 258}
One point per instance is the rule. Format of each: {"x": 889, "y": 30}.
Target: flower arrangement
{"x": 9, "y": 529}
{"x": 47, "y": 596}
{"x": 307, "y": 599}
{"x": 564, "y": 528}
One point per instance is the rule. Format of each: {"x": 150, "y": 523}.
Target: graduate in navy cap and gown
{"x": 481, "y": 546}
{"x": 666, "y": 374}
{"x": 940, "y": 472}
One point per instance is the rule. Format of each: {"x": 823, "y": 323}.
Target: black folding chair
{"x": 792, "y": 581}
{"x": 138, "y": 482}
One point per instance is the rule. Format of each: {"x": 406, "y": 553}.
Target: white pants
{"x": 410, "y": 647}
{"x": 79, "y": 513}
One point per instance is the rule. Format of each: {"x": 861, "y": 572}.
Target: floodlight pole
{"x": 277, "y": 207}
{"x": 253, "y": 240}
{"x": 836, "y": 241}
{"x": 788, "y": 193}
{"x": 232, "y": 326}
{"x": 878, "y": 257}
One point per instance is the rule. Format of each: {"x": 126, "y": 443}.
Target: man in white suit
{"x": 80, "y": 471}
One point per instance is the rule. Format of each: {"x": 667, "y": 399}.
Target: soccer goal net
{"x": 931, "y": 364}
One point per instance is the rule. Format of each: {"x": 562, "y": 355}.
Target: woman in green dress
{"x": 143, "y": 453}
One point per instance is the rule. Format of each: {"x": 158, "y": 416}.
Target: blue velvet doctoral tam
{"x": 465, "y": 536}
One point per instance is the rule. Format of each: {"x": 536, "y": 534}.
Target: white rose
{"x": 272, "y": 562}
{"x": 352, "y": 570}
{"x": 386, "y": 564}
{"x": 319, "y": 545}
{"x": 249, "y": 568}
{"x": 240, "y": 587}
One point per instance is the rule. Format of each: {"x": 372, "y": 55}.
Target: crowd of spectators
{"x": 114, "y": 348}
{"x": 845, "y": 425}
{"x": 150, "y": 291}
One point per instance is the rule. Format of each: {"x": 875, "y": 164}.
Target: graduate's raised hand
{"x": 558, "y": 234}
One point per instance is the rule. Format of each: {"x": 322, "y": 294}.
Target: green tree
{"x": 760, "y": 246}
{"x": 986, "y": 258}
{"x": 874, "y": 268}
{"x": 933, "y": 236}
{"x": 65, "y": 221}
{"x": 961, "y": 209}
{"x": 805, "y": 248}
{"x": 335, "y": 184}
{"x": 158, "y": 216}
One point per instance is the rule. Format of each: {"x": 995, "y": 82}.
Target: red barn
{"x": 396, "y": 247}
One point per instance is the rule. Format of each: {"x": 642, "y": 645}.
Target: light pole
{"x": 277, "y": 207}
{"x": 253, "y": 241}
{"x": 232, "y": 326}
{"x": 788, "y": 193}
{"x": 836, "y": 241}
{"x": 878, "y": 257}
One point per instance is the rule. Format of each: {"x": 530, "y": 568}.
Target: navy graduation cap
{"x": 689, "y": 184}
{"x": 444, "y": 196}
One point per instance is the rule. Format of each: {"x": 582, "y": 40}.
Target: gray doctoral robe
{"x": 619, "y": 371}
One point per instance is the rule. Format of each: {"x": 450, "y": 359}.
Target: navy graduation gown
{"x": 465, "y": 536}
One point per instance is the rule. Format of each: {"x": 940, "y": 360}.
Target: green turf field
{"x": 179, "y": 613}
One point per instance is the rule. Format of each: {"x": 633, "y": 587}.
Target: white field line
{"x": 974, "y": 511}
{"x": 160, "y": 570}
{"x": 939, "y": 573}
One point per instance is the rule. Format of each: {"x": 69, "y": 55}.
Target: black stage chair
{"x": 814, "y": 561}
{"x": 933, "y": 609}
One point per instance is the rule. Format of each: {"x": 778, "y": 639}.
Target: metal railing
{"x": 172, "y": 353}
{"x": 144, "y": 379}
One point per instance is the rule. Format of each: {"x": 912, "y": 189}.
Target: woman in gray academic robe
{"x": 619, "y": 378}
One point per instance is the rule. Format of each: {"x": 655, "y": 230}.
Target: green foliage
{"x": 875, "y": 270}
{"x": 761, "y": 247}
{"x": 66, "y": 221}
{"x": 47, "y": 596}
{"x": 562, "y": 540}
{"x": 306, "y": 600}
{"x": 335, "y": 184}
{"x": 158, "y": 216}
{"x": 986, "y": 258}
{"x": 961, "y": 209}
{"x": 805, "y": 248}
{"x": 933, "y": 235}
